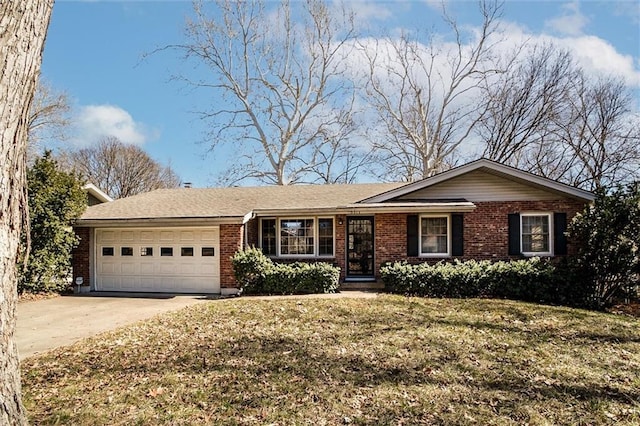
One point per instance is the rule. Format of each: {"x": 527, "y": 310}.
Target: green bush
{"x": 532, "y": 280}
{"x": 257, "y": 274}
{"x": 56, "y": 200}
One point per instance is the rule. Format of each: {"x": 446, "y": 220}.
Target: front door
{"x": 360, "y": 250}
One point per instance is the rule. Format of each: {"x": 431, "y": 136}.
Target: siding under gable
{"x": 479, "y": 186}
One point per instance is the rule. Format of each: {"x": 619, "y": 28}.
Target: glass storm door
{"x": 360, "y": 251}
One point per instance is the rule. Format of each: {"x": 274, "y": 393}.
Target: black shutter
{"x": 457, "y": 243}
{"x": 412, "y": 235}
{"x": 514, "y": 234}
{"x": 559, "y": 228}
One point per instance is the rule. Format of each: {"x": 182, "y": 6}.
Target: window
{"x": 146, "y": 251}
{"x": 166, "y": 251}
{"x": 535, "y": 233}
{"x": 268, "y": 232}
{"x": 208, "y": 252}
{"x": 325, "y": 237}
{"x": 186, "y": 251}
{"x": 107, "y": 251}
{"x": 434, "y": 235}
{"x": 126, "y": 251}
{"x": 296, "y": 237}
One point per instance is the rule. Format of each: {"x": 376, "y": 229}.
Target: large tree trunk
{"x": 23, "y": 27}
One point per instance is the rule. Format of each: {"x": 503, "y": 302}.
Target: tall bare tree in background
{"x": 49, "y": 116}
{"x": 119, "y": 169}
{"x": 601, "y": 133}
{"x": 420, "y": 93}
{"x": 547, "y": 116}
{"x": 521, "y": 105}
{"x": 23, "y": 28}
{"x": 275, "y": 83}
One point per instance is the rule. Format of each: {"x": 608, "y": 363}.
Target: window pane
{"x": 208, "y": 251}
{"x": 535, "y": 234}
{"x": 186, "y": 251}
{"x": 107, "y": 251}
{"x": 146, "y": 251}
{"x": 325, "y": 237}
{"x": 166, "y": 251}
{"x": 296, "y": 236}
{"x": 269, "y": 236}
{"x": 126, "y": 251}
{"x": 434, "y": 235}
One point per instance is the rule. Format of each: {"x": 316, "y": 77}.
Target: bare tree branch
{"x": 277, "y": 82}
{"x": 420, "y": 93}
{"x": 119, "y": 169}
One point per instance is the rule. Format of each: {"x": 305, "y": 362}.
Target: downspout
{"x": 247, "y": 217}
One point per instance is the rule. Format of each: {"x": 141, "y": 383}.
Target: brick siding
{"x": 485, "y": 233}
{"x": 231, "y": 237}
{"x": 80, "y": 256}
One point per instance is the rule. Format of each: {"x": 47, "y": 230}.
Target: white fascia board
{"x": 444, "y": 207}
{"x": 161, "y": 222}
{"x": 506, "y": 171}
{"x": 361, "y": 208}
{"x": 97, "y": 193}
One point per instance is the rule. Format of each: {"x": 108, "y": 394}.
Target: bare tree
{"x": 601, "y": 132}
{"x": 49, "y": 114}
{"x": 276, "y": 77}
{"x": 23, "y": 28}
{"x": 547, "y": 116}
{"x": 421, "y": 93}
{"x": 119, "y": 169}
{"x": 521, "y": 105}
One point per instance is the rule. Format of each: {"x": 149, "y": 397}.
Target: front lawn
{"x": 390, "y": 360}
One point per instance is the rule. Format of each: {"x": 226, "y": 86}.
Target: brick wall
{"x": 80, "y": 256}
{"x": 231, "y": 237}
{"x": 486, "y": 230}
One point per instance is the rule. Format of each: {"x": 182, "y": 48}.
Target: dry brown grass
{"x": 390, "y": 360}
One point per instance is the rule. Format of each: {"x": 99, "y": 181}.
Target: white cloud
{"x": 95, "y": 122}
{"x": 595, "y": 55}
{"x": 571, "y": 22}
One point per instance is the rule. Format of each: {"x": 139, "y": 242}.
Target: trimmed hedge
{"x": 257, "y": 274}
{"x": 532, "y": 280}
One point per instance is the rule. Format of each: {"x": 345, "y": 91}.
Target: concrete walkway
{"x": 47, "y": 324}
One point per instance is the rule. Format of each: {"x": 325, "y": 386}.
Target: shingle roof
{"x": 232, "y": 202}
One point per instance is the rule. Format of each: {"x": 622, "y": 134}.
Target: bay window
{"x": 304, "y": 236}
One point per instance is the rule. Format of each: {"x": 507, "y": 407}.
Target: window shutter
{"x": 412, "y": 235}
{"x": 514, "y": 234}
{"x": 457, "y": 226}
{"x": 559, "y": 228}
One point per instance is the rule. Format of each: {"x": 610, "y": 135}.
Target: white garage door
{"x": 183, "y": 260}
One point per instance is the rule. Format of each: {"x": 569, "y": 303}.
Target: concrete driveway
{"x": 46, "y": 324}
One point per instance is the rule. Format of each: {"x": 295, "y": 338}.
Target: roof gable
{"x": 483, "y": 180}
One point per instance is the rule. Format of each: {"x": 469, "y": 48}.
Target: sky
{"x": 99, "y": 53}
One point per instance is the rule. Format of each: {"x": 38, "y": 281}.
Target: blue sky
{"x": 95, "y": 52}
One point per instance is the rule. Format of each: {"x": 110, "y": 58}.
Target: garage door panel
{"x": 153, "y": 272}
{"x": 147, "y": 268}
{"x": 209, "y": 236}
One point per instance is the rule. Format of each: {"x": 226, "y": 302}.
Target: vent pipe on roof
{"x": 187, "y": 184}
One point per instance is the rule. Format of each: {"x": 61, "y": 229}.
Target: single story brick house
{"x": 181, "y": 240}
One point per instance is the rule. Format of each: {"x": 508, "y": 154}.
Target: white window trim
{"x": 550, "y": 221}
{"x": 260, "y": 234}
{"x": 333, "y": 237}
{"x": 443, "y": 254}
{"x": 316, "y": 236}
